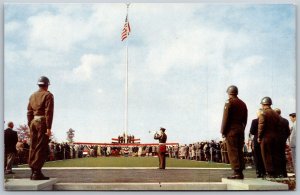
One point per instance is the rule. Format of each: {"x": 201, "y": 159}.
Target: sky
{"x": 181, "y": 59}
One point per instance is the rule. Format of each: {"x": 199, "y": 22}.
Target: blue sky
{"x": 182, "y": 58}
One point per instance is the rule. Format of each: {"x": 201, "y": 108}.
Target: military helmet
{"x": 232, "y": 90}
{"x": 43, "y": 81}
{"x": 266, "y": 101}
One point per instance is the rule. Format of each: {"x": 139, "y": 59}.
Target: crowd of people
{"x": 211, "y": 151}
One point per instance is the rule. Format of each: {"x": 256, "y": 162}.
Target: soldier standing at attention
{"x": 162, "y": 138}
{"x": 39, "y": 114}
{"x": 233, "y": 129}
{"x": 268, "y": 137}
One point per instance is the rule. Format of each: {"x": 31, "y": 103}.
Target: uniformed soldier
{"x": 162, "y": 138}
{"x": 40, "y": 115}
{"x": 233, "y": 130}
{"x": 268, "y": 137}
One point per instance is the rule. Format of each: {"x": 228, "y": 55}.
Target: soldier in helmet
{"x": 268, "y": 137}
{"x": 233, "y": 130}
{"x": 162, "y": 138}
{"x": 39, "y": 114}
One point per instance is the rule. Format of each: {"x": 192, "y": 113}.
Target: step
{"x": 141, "y": 186}
{"x": 27, "y": 184}
{"x": 253, "y": 184}
{"x": 226, "y": 184}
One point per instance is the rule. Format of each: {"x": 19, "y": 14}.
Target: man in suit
{"x": 10, "y": 142}
{"x": 284, "y": 134}
{"x": 268, "y": 137}
{"x": 40, "y": 115}
{"x": 233, "y": 129}
{"x": 162, "y": 138}
{"x": 259, "y": 164}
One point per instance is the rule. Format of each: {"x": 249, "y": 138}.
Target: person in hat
{"x": 162, "y": 138}
{"x": 234, "y": 121}
{"x": 268, "y": 138}
{"x": 293, "y": 139}
{"x": 40, "y": 115}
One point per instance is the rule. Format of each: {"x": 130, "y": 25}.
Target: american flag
{"x": 126, "y": 29}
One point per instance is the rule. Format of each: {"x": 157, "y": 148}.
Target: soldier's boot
{"x": 271, "y": 174}
{"x": 38, "y": 175}
{"x": 32, "y": 171}
{"x": 237, "y": 174}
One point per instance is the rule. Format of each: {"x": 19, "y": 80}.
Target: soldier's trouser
{"x": 235, "y": 146}
{"x": 162, "y": 160}
{"x": 162, "y": 156}
{"x": 270, "y": 154}
{"x": 38, "y": 152}
{"x": 9, "y": 160}
{"x": 226, "y": 158}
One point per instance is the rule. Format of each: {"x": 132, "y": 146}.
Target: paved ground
{"x": 133, "y": 175}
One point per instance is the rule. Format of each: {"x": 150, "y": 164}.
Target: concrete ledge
{"x": 27, "y": 184}
{"x": 253, "y": 184}
{"x": 141, "y": 186}
{"x": 226, "y": 184}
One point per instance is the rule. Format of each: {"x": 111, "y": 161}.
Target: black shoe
{"x": 270, "y": 176}
{"x": 38, "y": 176}
{"x": 236, "y": 176}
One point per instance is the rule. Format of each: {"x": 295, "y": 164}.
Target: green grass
{"x": 131, "y": 162}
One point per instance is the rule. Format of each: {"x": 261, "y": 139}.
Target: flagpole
{"x": 126, "y": 86}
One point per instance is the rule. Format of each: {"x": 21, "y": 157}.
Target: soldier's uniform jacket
{"x": 234, "y": 117}
{"x": 161, "y": 138}
{"x": 41, "y": 103}
{"x": 268, "y": 124}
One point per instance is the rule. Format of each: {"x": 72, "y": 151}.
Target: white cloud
{"x": 99, "y": 91}
{"x": 247, "y": 64}
{"x": 55, "y": 32}
{"x": 12, "y": 27}
{"x": 89, "y": 62}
